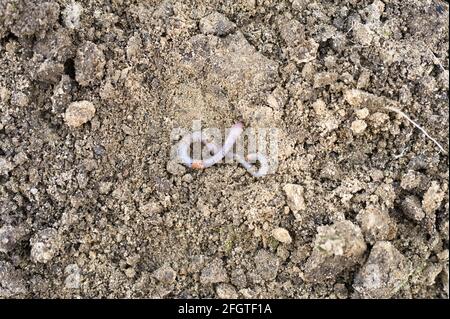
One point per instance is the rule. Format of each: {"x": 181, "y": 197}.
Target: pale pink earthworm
{"x": 219, "y": 154}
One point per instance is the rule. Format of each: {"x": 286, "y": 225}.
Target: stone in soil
{"x": 214, "y": 272}
{"x": 79, "y": 113}
{"x": 44, "y": 245}
{"x": 267, "y": 264}
{"x": 384, "y": 272}
{"x": 337, "y": 247}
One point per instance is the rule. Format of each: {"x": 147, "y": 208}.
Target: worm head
{"x": 239, "y": 125}
{"x": 197, "y": 165}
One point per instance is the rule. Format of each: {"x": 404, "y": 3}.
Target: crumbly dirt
{"x": 91, "y": 204}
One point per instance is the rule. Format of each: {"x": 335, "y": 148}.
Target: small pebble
{"x": 294, "y": 195}
{"x": 363, "y": 34}
{"x": 226, "y": 291}
{"x": 130, "y": 272}
{"x": 12, "y": 281}
{"x": 9, "y": 236}
{"x": 412, "y": 208}
{"x": 433, "y": 198}
{"x": 79, "y": 113}
{"x": 50, "y": 72}
{"x": 410, "y": 180}
{"x": 238, "y": 278}
{"x": 5, "y": 166}
{"x": 282, "y": 235}
{"x": 73, "y": 278}
{"x": 337, "y": 247}
{"x": 384, "y": 272}
{"x": 362, "y": 113}
{"x": 319, "y": 107}
{"x": 214, "y": 272}
{"x": 217, "y": 24}
{"x": 376, "y": 224}
{"x": 358, "y": 126}
{"x": 104, "y": 187}
{"x": 151, "y": 208}
{"x": 5, "y": 94}
{"x": 44, "y": 245}
{"x": 71, "y": 15}
{"x": 89, "y": 64}
{"x": 267, "y": 264}
{"x": 19, "y": 99}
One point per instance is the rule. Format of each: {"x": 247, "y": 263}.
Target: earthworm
{"x": 219, "y": 153}
{"x": 264, "y": 164}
